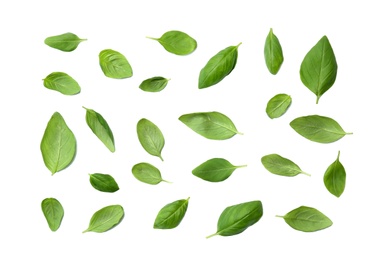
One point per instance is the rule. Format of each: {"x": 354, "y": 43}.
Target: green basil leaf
{"x": 147, "y": 173}
{"x": 154, "y": 84}
{"x": 103, "y": 182}
{"x": 150, "y": 137}
{"x": 58, "y": 145}
{"x": 273, "y": 53}
{"x": 306, "y": 219}
{"x": 115, "y": 65}
{"x": 319, "y": 129}
{"x": 171, "y": 215}
{"x": 278, "y": 105}
{"x": 237, "y": 218}
{"x": 218, "y": 67}
{"x": 62, "y": 83}
{"x": 105, "y": 219}
{"x": 177, "y": 42}
{"x": 318, "y": 70}
{"x": 53, "y": 212}
{"x": 279, "y": 165}
{"x": 335, "y": 178}
{"x": 100, "y": 128}
{"x": 211, "y": 125}
{"x": 215, "y": 170}
{"x": 64, "y": 42}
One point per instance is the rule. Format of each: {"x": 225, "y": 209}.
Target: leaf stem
{"x": 239, "y": 133}
{"x": 305, "y": 173}
{"x": 241, "y": 166}
{"x": 279, "y": 216}
{"x": 152, "y": 38}
{"x": 160, "y": 157}
{"x": 350, "y": 133}
{"x": 215, "y": 234}
{"x": 166, "y": 181}
{"x": 318, "y": 98}
{"x": 238, "y": 44}
{"x": 82, "y": 40}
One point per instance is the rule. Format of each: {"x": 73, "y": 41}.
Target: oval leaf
{"x": 279, "y": 165}
{"x": 237, "y": 218}
{"x": 100, "y": 128}
{"x": 103, "y": 182}
{"x": 318, "y": 70}
{"x": 278, "y": 105}
{"x": 171, "y": 215}
{"x": 150, "y": 137}
{"x": 115, "y": 65}
{"x": 53, "y": 212}
{"x": 62, "y": 83}
{"x": 335, "y": 177}
{"x": 105, "y": 219}
{"x": 154, "y": 84}
{"x": 177, "y": 42}
{"x": 218, "y": 67}
{"x": 319, "y": 129}
{"x": 147, "y": 173}
{"x": 211, "y": 125}
{"x": 307, "y": 219}
{"x": 64, "y": 42}
{"x": 215, "y": 170}
{"x": 273, "y": 53}
{"x": 58, "y": 145}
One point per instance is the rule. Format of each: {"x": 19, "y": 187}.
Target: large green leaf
{"x": 171, "y": 215}
{"x": 53, "y": 212}
{"x": 105, "y": 219}
{"x": 65, "y": 42}
{"x": 177, "y": 42}
{"x": 114, "y": 64}
{"x": 273, "y": 53}
{"x": 62, "y": 83}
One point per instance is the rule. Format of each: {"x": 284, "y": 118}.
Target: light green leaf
{"x": 62, "y": 83}
{"x": 150, "y": 137}
{"x": 278, "y": 105}
{"x": 103, "y": 182}
{"x": 177, "y": 42}
{"x": 171, "y": 215}
{"x": 154, "y": 84}
{"x": 64, "y": 42}
{"x": 273, "y": 53}
{"x": 147, "y": 173}
{"x": 335, "y": 178}
{"x": 215, "y": 170}
{"x": 53, "y": 212}
{"x": 114, "y": 64}
{"x": 279, "y": 165}
{"x": 105, "y": 219}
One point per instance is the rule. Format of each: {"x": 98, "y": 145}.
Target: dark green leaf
{"x": 318, "y": 70}
{"x": 273, "y": 53}
{"x": 150, "y": 137}
{"x": 105, "y": 219}
{"x": 279, "y": 165}
{"x": 215, "y": 170}
{"x": 53, "y": 212}
{"x": 103, "y": 182}
{"x": 115, "y": 65}
{"x": 177, "y": 42}
{"x": 154, "y": 84}
{"x": 218, "y": 67}
{"x": 62, "y": 83}
{"x": 278, "y": 105}
{"x": 171, "y": 215}
{"x": 64, "y": 42}
{"x": 335, "y": 177}
{"x": 147, "y": 173}
{"x": 58, "y": 145}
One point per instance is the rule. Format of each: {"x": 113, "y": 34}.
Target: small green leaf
{"x": 218, "y": 67}
{"x": 103, "y": 182}
{"x": 273, "y": 53}
{"x": 105, "y": 219}
{"x": 319, "y": 129}
{"x": 279, "y": 165}
{"x": 306, "y": 219}
{"x": 115, "y": 65}
{"x": 154, "y": 84}
{"x": 62, "y": 83}
{"x": 215, "y": 170}
{"x": 64, "y": 42}
{"x": 53, "y": 212}
{"x": 211, "y": 125}
{"x": 237, "y": 218}
{"x": 318, "y": 70}
{"x": 171, "y": 215}
{"x": 150, "y": 137}
{"x": 335, "y": 178}
{"x": 278, "y": 105}
{"x": 58, "y": 145}
{"x": 100, "y": 128}
{"x": 147, "y": 173}
{"x": 177, "y": 42}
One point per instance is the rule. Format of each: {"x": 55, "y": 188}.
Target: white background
{"x": 26, "y": 107}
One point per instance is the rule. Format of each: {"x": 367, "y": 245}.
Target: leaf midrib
{"x": 237, "y": 222}
{"x": 165, "y": 219}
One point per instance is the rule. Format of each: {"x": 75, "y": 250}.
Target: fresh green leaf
{"x": 237, "y": 218}
{"x": 147, "y": 173}
{"x": 319, "y": 129}
{"x": 278, "y": 105}
{"x": 318, "y": 70}
{"x": 64, "y": 42}
{"x": 103, "y": 182}
{"x": 215, "y": 170}
{"x": 273, "y": 53}
{"x": 105, "y": 219}
{"x": 115, "y": 65}
{"x": 62, "y": 83}
{"x": 53, "y": 212}
{"x": 306, "y": 219}
{"x": 218, "y": 67}
{"x": 211, "y": 125}
{"x": 58, "y": 145}
{"x": 100, "y": 128}
{"x": 279, "y": 165}
{"x": 177, "y": 42}
{"x": 150, "y": 137}
{"x": 171, "y": 215}
{"x": 335, "y": 177}
{"x": 154, "y": 84}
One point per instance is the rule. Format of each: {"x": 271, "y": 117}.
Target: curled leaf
{"x": 155, "y": 84}
{"x": 273, "y": 53}
{"x": 114, "y": 65}
{"x": 53, "y": 212}
{"x": 278, "y": 105}
{"x": 279, "y": 165}
{"x": 335, "y": 177}
{"x": 105, "y": 219}
{"x": 150, "y": 137}
{"x": 62, "y": 83}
